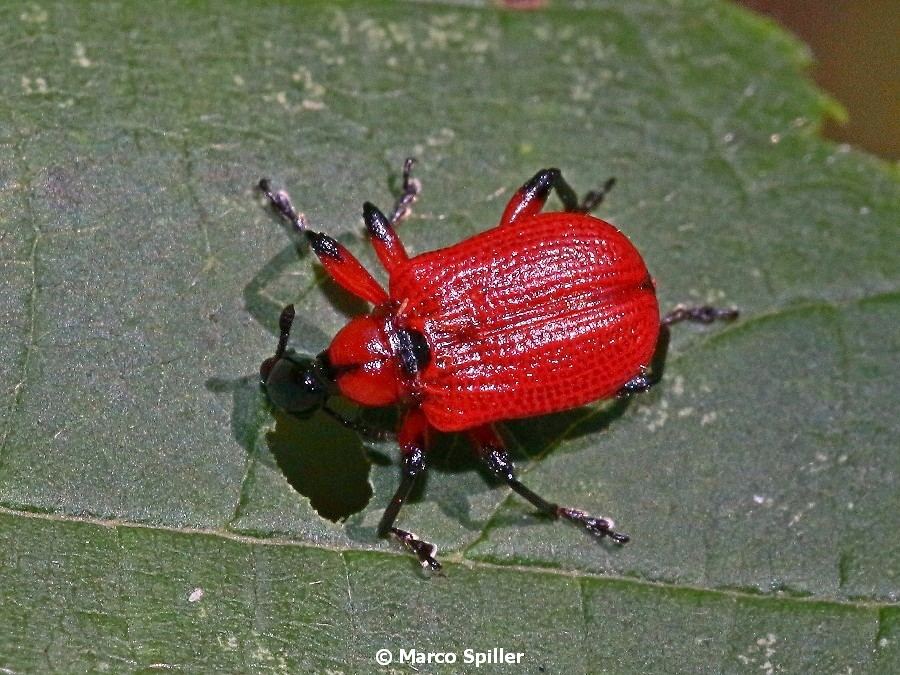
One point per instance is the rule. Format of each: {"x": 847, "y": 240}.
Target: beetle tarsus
{"x": 409, "y": 193}
{"x": 599, "y": 527}
{"x": 282, "y": 203}
{"x": 651, "y": 376}
{"x": 594, "y": 198}
{"x": 638, "y": 384}
{"x": 424, "y": 550}
{"x": 700, "y": 314}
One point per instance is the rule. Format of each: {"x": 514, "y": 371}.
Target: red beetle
{"x": 543, "y": 313}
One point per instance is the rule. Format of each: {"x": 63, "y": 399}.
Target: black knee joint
{"x": 636, "y": 385}
{"x": 499, "y": 463}
{"x": 323, "y": 245}
{"x": 414, "y": 462}
{"x": 376, "y": 222}
{"x": 542, "y": 183}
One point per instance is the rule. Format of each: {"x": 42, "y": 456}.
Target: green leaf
{"x": 153, "y": 512}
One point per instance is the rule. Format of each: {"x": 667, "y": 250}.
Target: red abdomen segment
{"x": 527, "y": 319}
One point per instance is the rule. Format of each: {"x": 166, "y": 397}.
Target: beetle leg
{"x": 699, "y": 314}
{"x": 409, "y": 192}
{"x": 367, "y": 432}
{"x": 531, "y": 197}
{"x": 496, "y": 458}
{"x": 413, "y": 439}
{"x": 594, "y": 198}
{"x": 385, "y": 241}
{"x": 340, "y": 264}
{"x": 650, "y": 376}
{"x": 640, "y": 383}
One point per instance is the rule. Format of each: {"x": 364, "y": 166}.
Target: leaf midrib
{"x": 455, "y": 559}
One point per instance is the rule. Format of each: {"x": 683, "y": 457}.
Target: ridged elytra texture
{"x": 542, "y": 315}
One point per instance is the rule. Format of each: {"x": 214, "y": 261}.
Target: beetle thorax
{"x": 376, "y": 359}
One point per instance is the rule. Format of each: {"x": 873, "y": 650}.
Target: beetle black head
{"x": 294, "y": 384}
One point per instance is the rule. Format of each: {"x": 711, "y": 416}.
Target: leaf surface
{"x": 154, "y": 512}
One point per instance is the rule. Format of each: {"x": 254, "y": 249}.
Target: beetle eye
{"x": 413, "y": 351}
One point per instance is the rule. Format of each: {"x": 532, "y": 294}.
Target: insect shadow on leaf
{"x": 326, "y": 463}
{"x": 323, "y": 461}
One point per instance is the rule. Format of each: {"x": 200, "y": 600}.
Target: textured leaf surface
{"x": 155, "y": 514}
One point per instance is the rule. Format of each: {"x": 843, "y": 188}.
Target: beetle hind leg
{"x": 496, "y": 458}
{"x": 652, "y": 374}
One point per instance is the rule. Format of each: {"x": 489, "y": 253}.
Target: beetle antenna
{"x": 362, "y": 429}
{"x": 284, "y": 325}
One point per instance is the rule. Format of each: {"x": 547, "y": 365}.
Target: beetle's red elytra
{"x": 543, "y": 313}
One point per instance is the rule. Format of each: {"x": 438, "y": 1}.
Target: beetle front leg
{"x": 385, "y": 241}
{"x": 340, "y": 264}
{"x": 531, "y": 197}
{"x": 409, "y": 192}
{"x": 413, "y": 438}
{"x": 496, "y": 458}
